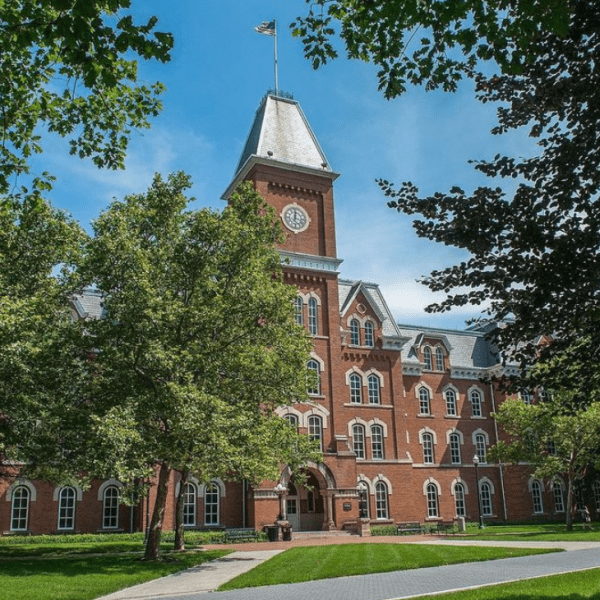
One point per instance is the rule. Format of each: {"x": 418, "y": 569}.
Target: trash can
{"x": 272, "y": 532}
{"x": 287, "y": 533}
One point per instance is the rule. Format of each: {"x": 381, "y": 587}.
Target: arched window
{"x": 450, "y": 403}
{"x": 374, "y": 393}
{"x": 439, "y": 359}
{"x": 189, "y": 505}
{"x": 428, "y": 448}
{"x": 459, "y": 500}
{"x": 358, "y": 440}
{"x": 424, "y": 404}
{"x": 432, "y": 501}
{"x": 536, "y": 496}
{"x": 292, "y": 419}
{"x": 377, "y": 442}
{"x": 110, "y": 507}
{"x": 363, "y": 494}
{"x": 355, "y": 388}
{"x": 476, "y": 403}
{"x": 314, "y": 387}
{"x": 66, "y": 508}
{"x": 381, "y": 500}
{"x": 369, "y": 334}
{"x": 455, "y": 448}
{"x": 315, "y": 430}
{"x": 20, "y": 509}
{"x": 354, "y": 332}
{"x": 526, "y": 396}
{"x": 211, "y": 504}
{"x": 486, "y": 499}
{"x": 427, "y": 358}
{"x": 298, "y": 310}
{"x": 313, "y": 323}
{"x": 557, "y": 492}
{"x": 481, "y": 447}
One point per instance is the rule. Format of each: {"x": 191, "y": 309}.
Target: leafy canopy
{"x": 432, "y": 43}
{"x": 66, "y": 67}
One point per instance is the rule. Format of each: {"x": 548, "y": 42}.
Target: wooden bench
{"x": 443, "y": 527}
{"x": 241, "y": 534}
{"x": 410, "y": 527}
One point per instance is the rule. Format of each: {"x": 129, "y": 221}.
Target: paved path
{"x": 195, "y": 583}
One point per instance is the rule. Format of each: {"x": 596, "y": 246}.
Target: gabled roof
{"x": 88, "y": 304}
{"x": 349, "y": 290}
{"x": 281, "y": 135}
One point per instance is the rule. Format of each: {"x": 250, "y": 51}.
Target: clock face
{"x": 295, "y": 218}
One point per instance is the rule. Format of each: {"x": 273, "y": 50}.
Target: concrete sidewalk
{"x": 194, "y": 583}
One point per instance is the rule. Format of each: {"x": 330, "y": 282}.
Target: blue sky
{"x": 220, "y": 70}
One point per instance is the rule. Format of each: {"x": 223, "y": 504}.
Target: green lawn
{"x": 548, "y": 532}
{"x": 80, "y": 577}
{"x": 584, "y": 585}
{"x": 322, "y": 562}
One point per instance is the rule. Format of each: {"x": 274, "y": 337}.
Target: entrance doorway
{"x": 305, "y": 505}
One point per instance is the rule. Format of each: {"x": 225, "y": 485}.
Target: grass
{"x": 70, "y": 571}
{"x": 323, "y": 562}
{"x": 584, "y": 585}
{"x": 542, "y": 532}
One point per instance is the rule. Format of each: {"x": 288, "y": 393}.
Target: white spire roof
{"x": 281, "y": 135}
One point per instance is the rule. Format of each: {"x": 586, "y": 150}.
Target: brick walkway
{"x": 194, "y": 583}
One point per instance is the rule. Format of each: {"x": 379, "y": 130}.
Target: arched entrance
{"x": 308, "y": 504}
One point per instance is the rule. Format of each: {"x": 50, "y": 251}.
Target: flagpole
{"x": 275, "y": 50}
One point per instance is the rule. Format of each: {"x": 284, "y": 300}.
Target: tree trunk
{"x": 156, "y": 524}
{"x": 179, "y": 530}
{"x": 569, "y": 511}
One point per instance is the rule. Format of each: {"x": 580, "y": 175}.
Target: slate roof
{"x": 348, "y": 290}
{"x": 89, "y": 304}
{"x": 468, "y": 349}
{"x": 280, "y": 131}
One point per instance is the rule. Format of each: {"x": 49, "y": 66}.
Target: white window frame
{"x": 374, "y": 387}
{"x": 439, "y": 359}
{"x": 537, "y": 497}
{"x": 313, "y": 316}
{"x": 315, "y": 429}
{"x": 450, "y": 397}
{"x": 356, "y": 383}
{"x": 428, "y": 452}
{"x": 381, "y": 500}
{"x": 67, "y": 500}
{"x": 369, "y": 334}
{"x": 190, "y": 504}
{"x": 314, "y": 365}
{"x": 298, "y": 310}
{"x": 427, "y": 358}
{"x": 485, "y": 490}
{"x": 19, "y": 509}
{"x": 454, "y": 442}
{"x": 377, "y": 446}
{"x": 476, "y": 398}
{"x": 424, "y": 401}
{"x": 358, "y": 441}
{"x": 433, "y": 509}
{"x": 559, "y": 499}
{"x": 212, "y": 501}
{"x": 459, "y": 500}
{"x": 110, "y": 507}
{"x": 354, "y": 332}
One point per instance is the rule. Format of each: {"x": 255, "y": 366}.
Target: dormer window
{"x": 439, "y": 359}
{"x": 427, "y": 358}
{"x": 369, "y": 334}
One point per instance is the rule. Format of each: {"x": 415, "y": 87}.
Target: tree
{"x": 533, "y": 234}
{"x": 535, "y": 251}
{"x": 555, "y": 440}
{"x": 42, "y": 371}
{"x": 431, "y": 43}
{"x": 66, "y": 68}
{"x": 199, "y": 346}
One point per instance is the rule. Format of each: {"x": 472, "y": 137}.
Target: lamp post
{"x": 476, "y": 463}
{"x": 280, "y": 490}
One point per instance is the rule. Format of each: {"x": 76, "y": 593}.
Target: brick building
{"x": 400, "y": 410}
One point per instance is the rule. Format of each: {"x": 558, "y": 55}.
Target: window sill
{"x": 425, "y": 416}
{"x": 366, "y": 405}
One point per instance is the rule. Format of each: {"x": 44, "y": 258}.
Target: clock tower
{"x": 284, "y": 160}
